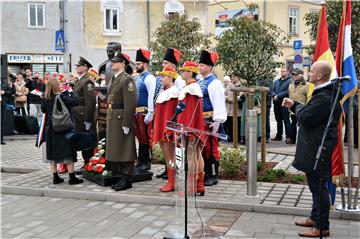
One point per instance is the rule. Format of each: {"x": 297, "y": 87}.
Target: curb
{"x": 18, "y": 170}
{"x": 154, "y": 200}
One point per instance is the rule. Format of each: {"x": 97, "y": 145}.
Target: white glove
{"x": 126, "y": 130}
{"x": 87, "y": 125}
{"x": 149, "y": 117}
{"x": 215, "y": 127}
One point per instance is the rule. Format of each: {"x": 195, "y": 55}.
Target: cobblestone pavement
{"x": 44, "y": 217}
{"x": 227, "y": 194}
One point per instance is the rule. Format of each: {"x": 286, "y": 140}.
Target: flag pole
{"x": 355, "y": 205}
{"x": 350, "y": 141}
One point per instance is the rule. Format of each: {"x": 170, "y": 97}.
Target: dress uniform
{"x": 214, "y": 114}
{"x": 120, "y": 139}
{"x": 145, "y": 86}
{"x": 191, "y": 95}
{"x": 84, "y": 113}
{"x": 165, "y": 107}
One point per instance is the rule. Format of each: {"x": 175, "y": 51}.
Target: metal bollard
{"x": 251, "y": 152}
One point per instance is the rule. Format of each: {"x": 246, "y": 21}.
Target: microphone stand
{"x": 320, "y": 156}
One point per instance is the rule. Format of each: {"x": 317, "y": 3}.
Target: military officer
{"x": 120, "y": 138}
{"x": 84, "y": 113}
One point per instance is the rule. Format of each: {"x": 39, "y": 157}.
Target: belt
{"x": 141, "y": 109}
{"x": 207, "y": 114}
{"x": 115, "y": 106}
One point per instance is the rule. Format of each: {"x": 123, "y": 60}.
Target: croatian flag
{"x": 344, "y": 55}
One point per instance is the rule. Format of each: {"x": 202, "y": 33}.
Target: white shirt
{"x": 150, "y": 83}
{"x": 179, "y": 83}
{"x": 322, "y": 85}
{"x": 217, "y": 99}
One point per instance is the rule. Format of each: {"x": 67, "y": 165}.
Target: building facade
{"x": 286, "y": 14}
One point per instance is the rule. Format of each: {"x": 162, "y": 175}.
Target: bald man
{"x": 312, "y": 119}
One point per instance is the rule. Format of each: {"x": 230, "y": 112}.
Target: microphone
{"x": 342, "y": 78}
{"x": 179, "y": 109}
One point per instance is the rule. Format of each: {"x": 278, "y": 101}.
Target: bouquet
{"x": 97, "y": 163}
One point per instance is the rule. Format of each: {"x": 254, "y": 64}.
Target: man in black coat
{"x": 312, "y": 119}
{"x": 7, "y": 92}
{"x": 279, "y": 92}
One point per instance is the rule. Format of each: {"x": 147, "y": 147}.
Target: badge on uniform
{"x": 130, "y": 86}
{"x": 90, "y": 87}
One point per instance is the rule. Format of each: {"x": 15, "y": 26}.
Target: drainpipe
{"x": 264, "y": 10}
{"x": 148, "y": 20}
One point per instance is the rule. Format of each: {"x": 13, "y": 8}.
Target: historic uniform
{"x": 191, "y": 95}
{"x": 214, "y": 114}
{"x": 145, "y": 88}
{"x": 120, "y": 139}
{"x": 84, "y": 113}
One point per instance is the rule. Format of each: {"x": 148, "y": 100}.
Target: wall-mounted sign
{"x": 222, "y": 18}
{"x": 20, "y": 58}
{"x": 53, "y": 59}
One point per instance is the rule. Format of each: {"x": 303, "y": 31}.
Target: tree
{"x": 251, "y": 49}
{"x": 181, "y": 33}
{"x": 334, "y": 10}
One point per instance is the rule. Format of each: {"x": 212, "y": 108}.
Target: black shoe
{"x": 211, "y": 181}
{"x": 144, "y": 167}
{"x": 74, "y": 180}
{"x": 57, "y": 180}
{"x": 162, "y": 174}
{"x": 123, "y": 184}
{"x": 3, "y": 142}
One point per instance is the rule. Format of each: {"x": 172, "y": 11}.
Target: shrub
{"x": 297, "y": 178}
{"x": 158, "y": 155}
{"x": 231, "y": 160}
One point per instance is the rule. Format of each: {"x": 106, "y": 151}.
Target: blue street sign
{"x": 298, "y": 58}
{"x": 59, "y": 41}
{"x": 297, "y": 45}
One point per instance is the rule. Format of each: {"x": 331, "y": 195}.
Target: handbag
{"x": 21, "y": 99}
{"x": 61, "y": 119}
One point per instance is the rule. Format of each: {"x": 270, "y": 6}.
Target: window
{"x": 111, "y": 19}
{"x": 293, "y": 21}
{"x": 36, "y": 15}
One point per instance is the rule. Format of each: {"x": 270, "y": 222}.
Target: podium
{"x": 187, "y": 219}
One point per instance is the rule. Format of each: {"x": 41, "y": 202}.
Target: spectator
{"x": 28, "y": 74}
{"x": 312, "y": 118}
{"x": 280, "y": 91}
{"x": 21, "y": 95}
{"x": 46, "y": 77}
{"x": 7, "y": 92}
{"x": 235, "y": 81}
{"x": 36, "y": 90}
{"x": 298, "y": 90}
{"x": 58, "y": 149}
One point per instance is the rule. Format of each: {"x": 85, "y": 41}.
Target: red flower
{"x": 88, "y": 167}
{"x": 102, "y": 160}
{"x": 99, "y": 169}
{"x": 95, "y": 161}
{"x": 96, "y": 150}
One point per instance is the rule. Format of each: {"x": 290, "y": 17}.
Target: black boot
{"x": 163, "y": 174}
{"x": 57, "y": 179}
{"x": 74, "y": 180}
{"x": 144, "y": 158}
{"x": 123, "y": 184}
{"x": 116, "y": 171}
{"x": 212, "y": 178}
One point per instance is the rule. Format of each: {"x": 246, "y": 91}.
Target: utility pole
{"x": 64, "y": 23}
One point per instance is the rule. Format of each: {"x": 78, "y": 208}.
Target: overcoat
{"x": 120, "y": 113}
{"x": 85, "y": 111}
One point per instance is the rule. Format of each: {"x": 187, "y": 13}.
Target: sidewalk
{"x": 273, "y": 198}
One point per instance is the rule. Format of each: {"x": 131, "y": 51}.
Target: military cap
{"x": 83, "y": 62}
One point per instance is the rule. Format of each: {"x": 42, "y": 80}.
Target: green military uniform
{"x": 120, "y": 113}
{"x": 85, "y": 111}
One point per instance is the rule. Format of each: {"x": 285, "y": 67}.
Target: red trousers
{"x": 143, "y": 131}
{"x": 211, "y": 147}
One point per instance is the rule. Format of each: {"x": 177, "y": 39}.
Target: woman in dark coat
{"x": 58, "y": 148}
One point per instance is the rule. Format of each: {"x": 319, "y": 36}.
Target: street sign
{"x": 298, "y": 58}
{"x": 297, "y": 45}
{"x": 307, "y": 61}
{"x": 298, "y": 66}
{"x": 59, "y": 41}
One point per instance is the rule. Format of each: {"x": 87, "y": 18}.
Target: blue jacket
{"x": 281, "y": 89}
